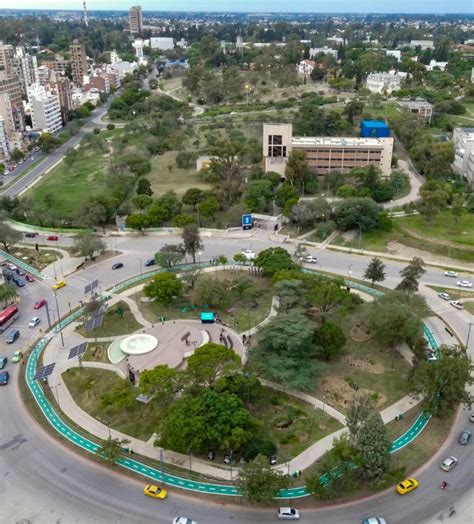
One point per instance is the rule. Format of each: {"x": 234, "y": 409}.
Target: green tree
{"x": 411, "y": 275}
{"x": 193, "y": 196}
{"x": 285, "y": 193}
{"x": 144, "y": 187}
{"x": 330, "y": 340}
{"x": 353, "y": 108}
{"x": 357, "y": 212}
{"x": 8, "y": 292}
{"x": 375, "y": 271}
{"x": 182, "y": 220}
{"x": 457, "y": 206}
{"x": 112, "y": 449}
{"x": 358, "y": 411}
{"x": 211, "y": 292}
{"x": 297, "y": 169}
{"x": 47, "y": 142}
{"x": 444, "y": 383}
{"x": 208, "y": 207}
{"x": 137, "y": 221}
{"x": 162, "y": 382}
{"x": 87, "y": 245}
{"x": 373, "y": 445}
{"x": 258, "y": 195}
{"x": 258, "y": 482}
{"x": 141, "y": 202}
{"x": 307, "y": 213}
{"x": 328, "y": 296}
{"x": 169, "y": 255}
{"x": 273, "y": 259}
{"x": 9, "y": 236}
{"x": 433, "y": 199}
{"x": 209, "y": 362}
{"x": 192, "y": 240}
{"x": 290, "y": 294}
{"x": 164, "y": 288}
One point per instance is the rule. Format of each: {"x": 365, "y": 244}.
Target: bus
{"x": 7, "y": 317}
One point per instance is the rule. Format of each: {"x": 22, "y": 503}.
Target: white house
{"x": 305, "y": 67}
{"x": 434, "y": 63}
{"x": 395, "y": 53}
{"x": 385, "y": 82}
{"x": 463, "y": 138}
{"x": 314, "y": 51}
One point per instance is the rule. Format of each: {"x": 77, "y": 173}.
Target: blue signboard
{"x": 247, "y": 222}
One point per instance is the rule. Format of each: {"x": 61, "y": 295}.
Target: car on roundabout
{"x": 464, "y": 283}
{"x": 17, "y": 356}
{"x": 117, "y": 265}
{"x": 3, "y": 362}
{"x": 465, "y": 437}
{"x": 449, "y": 463}
{"x": 407, "y": 485}
{"x": 34, "y": 322}
{"x": 456, "y": 304}
{"x": 155, "y": 492}
{"x": 4, "y": 377}
{"x": 183, "y": 520}
{"x": 444, "y": 296}
{"x": 374, "y": 520}
{"x": 59, "y": 284}
{"x": 288, "y": 514}
{"x": 452, "y": 274}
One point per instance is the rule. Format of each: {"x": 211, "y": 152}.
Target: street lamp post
{"x": 468, "y": 335}
{"x": 140, "y": 261}
{"x": 350, "y": 274}
{"x": 59, "y": 320}
{"x": 360, "y": 235}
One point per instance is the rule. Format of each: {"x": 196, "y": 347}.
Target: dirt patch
{"x": 339, "y": 393}
{"x": 104, "y": 256}
{"x": 360, "y": 333}
{"x": 395, "y": 248}
{"x": 364, "y": 365}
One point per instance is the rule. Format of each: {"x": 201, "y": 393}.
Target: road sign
{"x": 247, "y": 222}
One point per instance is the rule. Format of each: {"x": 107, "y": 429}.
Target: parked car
{"x": 374, "y": 520}
{"x": 30, "y": 234}
{"x": 52, "y": 238}
{"x": 117, "y": 265}
{"x": 17, "y": 356}
{"x": 183, "y": 520}
{"x": 464, "y": 283}
{"x": 406, "y": 486}
{"x": 18, "y": 281}
{"x": 34, "y": 322}
{"x": 288, "y": 514}
{"x": 471, "y": 417}
{"x": 39, "y": 303}
{"x": 248, "y": 254}
{"x": 4, "y": 377}
{"x": 20, "y": 272}
{"x": 450, "y": 274}
{"x": 465, "y": 437}
{"x": 3, "y": 362}
{"x": 444, "y": 296}
{"x": 309, "y": 259}
{"x": 29, "y": 278}
{"x": 456, "y": 304}
{"x": 449, "y": 463}
{"x": 12, "y": 336}
{"x": 150, "y": 262}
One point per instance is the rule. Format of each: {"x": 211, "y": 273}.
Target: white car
{"x": 288, "y": 514}
{"x": 374, "y": 520}
{"x": 34, "y": 322}
{"x": 431, "y": 355}
{"x": 309, "y": 259}
{"x": 248, "y": 254}
{"x": 183, "y": 520}
{"x": 450, "y": 274}
{"x": 456, "y": 304}
{"x": 449, "y": 463}
{"x": 444, "y": 296}
{"x": 464, "y": 283}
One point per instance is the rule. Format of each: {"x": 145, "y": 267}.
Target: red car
{"x": 52, "y": 237}
{"x": 39, "y": 304}
{"x": 29, "y": 278}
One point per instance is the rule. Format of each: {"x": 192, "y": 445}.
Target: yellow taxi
{"x": 406, "y": 486}
{"x": 59, "y": 284}
{"x": 155, "y": 492}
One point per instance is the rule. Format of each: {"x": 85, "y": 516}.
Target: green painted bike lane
{"x": 134, "y": 465}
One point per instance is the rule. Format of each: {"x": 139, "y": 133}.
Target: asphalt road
{"x": 43, "y": 482}
{"x": 26, "y": 181}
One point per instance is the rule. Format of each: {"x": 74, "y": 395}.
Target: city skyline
{"x": 300, "y": 6}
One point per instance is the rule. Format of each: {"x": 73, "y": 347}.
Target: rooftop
{"x": 414, "y": 103}
{"x": 375, "y": 123}
{"x": 335, "y": 141}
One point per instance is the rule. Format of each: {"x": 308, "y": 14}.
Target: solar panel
{"x": 94, "y": 322}
{"x": 78, "y": 350}
{"x": 94, "y": 284}
{"x": 44, "y": 371}
{"x": 87, "y": 289}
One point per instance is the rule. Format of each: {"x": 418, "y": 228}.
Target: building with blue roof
{"x": 374, "y": 129}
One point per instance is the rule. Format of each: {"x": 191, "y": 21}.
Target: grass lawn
{"x": 179, "y": 180}
{"x": 114, "y": 323}
{"x": 87, "y": 385}
{"x": 38, "y": 260}
{"x": 469, "y": 306}
{"x": 385, "y": 110}
{"x": 66, "y": 188}
{"x": 365, "y": 366}
{"x": 454, "y": 292}
{"x": 241, "y": 313}
{"x": 96, "y": 353}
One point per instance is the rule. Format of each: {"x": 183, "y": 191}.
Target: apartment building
{"x": 7, "y": 53}
{"x": 25, "y": 68}
{"x": 4, "y": 143}
{"x": 62, "y": 88}
{"x": 11, "y": 104}
{"x": 78, "y": 57}
{"x": 324, "y": 154}
{"x": 463, "y": 138}
{"x": 135, "y": 20}
{"x": 385, "y": 82}
{"x": 315, "y": 51}
{"x": 45, "y": 109}
{"x": 418, "y": 106}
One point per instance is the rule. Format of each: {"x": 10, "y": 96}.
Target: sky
{"x": 314, "y": 6}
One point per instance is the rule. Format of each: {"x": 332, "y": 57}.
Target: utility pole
{"x": 468, "y": 335}
{"x": 59, "y": 320}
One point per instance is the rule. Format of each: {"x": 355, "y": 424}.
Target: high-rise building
{"x": 78, "y": 58}
{"x": 25, "y": 69}
{"x": 11, "y": 103}
{"x": 45, "y": 109}
{"x": 463, "y": 138}
{"x": 4, "y": 143}
{"x": 7, "y": 53}
{"x": 63, "y": 90}
{"x": 135, "y": 19}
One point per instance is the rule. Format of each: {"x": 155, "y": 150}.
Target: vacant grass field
{"x": 385, "y": 110}
{"x": 291, "y": 423}
{"x": 38, "y": 260}
{"x": 454, "y": 292}
{"x": 118, "y": 320}
{"x": 469, "y": 306}
{"x": 241, "y": 313}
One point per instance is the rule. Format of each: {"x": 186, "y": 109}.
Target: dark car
{"x": 3, "y": 362}
{"x": 465, "y": 437}
{"x": 18, "y": 281}
{"x": 117, "y": 265}
{"x": 12, "y": 335}
{"x": 4, "y": 376}
{"x": 150, "y": 262}
{"x": 20, "y": 271}
{"x": 30, "y": 235}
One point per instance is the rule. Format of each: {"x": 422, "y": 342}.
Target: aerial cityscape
{"x": 237, "y": 262}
